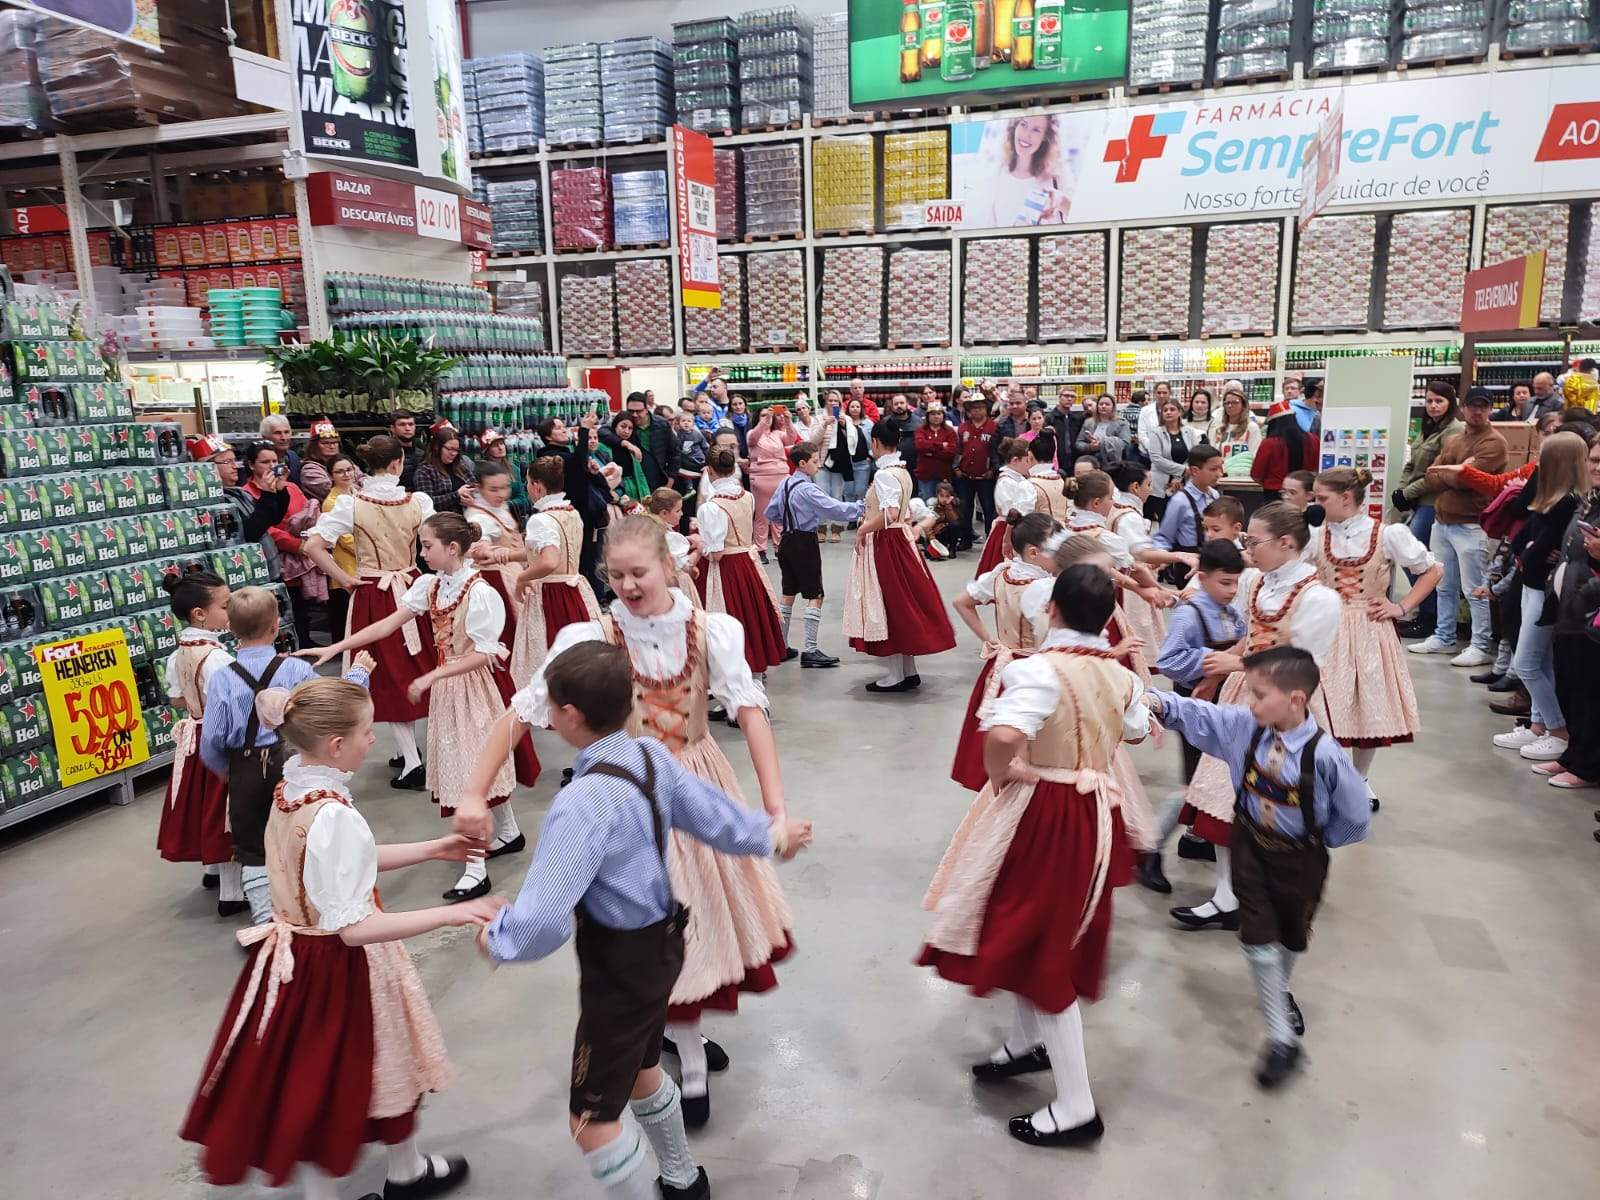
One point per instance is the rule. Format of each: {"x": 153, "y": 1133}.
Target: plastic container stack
{"x": 1072, "y": 287}
{"x": 573, "y": 114}
{"x": 639, "y": 214}
{"x": 580, "y": 206}
{"x": 1333, "y": 273}
{"x": 777, "y": 301}
{"x": 1241, "y": 288}
{"x": 842, "y": 184}
{"x": 644, "y": 306}
{"x": 1169, "y": 42}
{"x": 774, "y": 66}
{"x": 636, "y": 89}
{"x": 509, "y": 113}
{"x": 773, "y": 200}
{"x": 1156, "y": 270}
{"x": 1253, "y": 38}
{"x": 705, "y": 74}
{"x": 729, "y": 209}
{"x": 919, "y": 281}
{"x": 851, "y": 313}
{"x": 914, "y": 171}
{"x": 1443, "y": 29}
{"x": 1349, "y": 34}
{"x": 588, "y": 317}
{"x": 1427, "y": 269}
{"x": 1516, "y": 229}
{"x": 1533, "y": 25}
{"x": 521, "y": 298}
{"x": 518, "y": 214}
{"x": 994, "y": 291}
{"x": 706, "y": 329}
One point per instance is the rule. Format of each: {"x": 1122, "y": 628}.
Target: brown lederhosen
{"x": 1278, "y": 879}
{"x": 253, "y": 772}
{"x": 625, "y": 977}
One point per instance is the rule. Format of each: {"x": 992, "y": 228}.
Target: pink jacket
{"x": 769, "y": 448}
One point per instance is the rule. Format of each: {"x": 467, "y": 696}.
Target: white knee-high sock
{"x": 812, "y": 620}
{"x": 258, "y": 891}
{"x": 1362, "y": 757}
{"x": 1223, "y": 897}
{"x": 473, "y": 872}
{"x": 1025, "y": 1032}
{"x": 1287, "y": 957}
{"x": 620, "y": 1167}
{"x": 1074, "y": 1103}
{"x": 505, "y": 825}
{"x": 691, "y": 1057}
{"x": 406, "y": 1163}
{"x": 786, "y": 611}
{"x": 1266, "y": 966}
{"x": 896, "y": 672}
{"x": 230, "y": 881}
{"x": 661, "y": 1117}
{"x": 908, "y": 664}
{"x": 318, "y": 1185}
{"x": 405, "y": 741}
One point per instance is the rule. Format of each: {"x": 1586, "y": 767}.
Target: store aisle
{"x": 1450, "y": 995}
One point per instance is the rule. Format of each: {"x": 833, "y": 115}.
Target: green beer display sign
{"x": 351, "y": 79}
{"x": 981, "y": 46}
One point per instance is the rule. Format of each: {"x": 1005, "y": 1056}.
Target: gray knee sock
{"x": 786, "y": 611}
{"x": 661, "y": 1117}
{"x": 620, "y": 1167}
{"x": 1288, "y": 958}
{"x": 813, "y": 624}
{"x": 230, "y": 882}
{"x": 258, "y": 891}
{"x": 1170, "y": 812}
{"x": 1266, "y": 965}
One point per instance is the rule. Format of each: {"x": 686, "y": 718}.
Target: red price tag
{"x": 102, "y": 722}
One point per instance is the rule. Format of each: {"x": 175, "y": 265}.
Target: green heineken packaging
{"x": 132, "y": 626}
{"x": 107, "y": 542}
{"x": 77, "y": 362}
{"x": 15, "y": 558}
{"x": 84, "y": 444}
{"x": 155, "y": 444}
{"x": 199, "y": 529}
{"x": 134, "y": 585}
{"x": 74, "y": 599}
{"x": 142, "y": 441}
{"x": 8, "y": 390}
{"x": 98, "y": 403}
{"x": 224, "y": 524}
{"x": 34, "y": 361}
{"x": 182, "y": 485}
{"x": 95, "y": 501}
{"x": 160, "y": 726}
{"x": 231, "y": 566}
{"x": 133, "y": 490}
{"x": 11, "y": 656}
{"x": 23, "y": 723}
{"x": 19, "y": 612}
{"x": 63, "y": 501}
{"x": 51, "y": 402}
{"x": 28, "y": 681}
{"x": 21, "y": 503}
{"x": 160, "y": 634}
{"x": 21, "y": 319}
{"x": 14, "y": 415}
{"x": 57, "y": 445}
{"x": 22, "y": 452}
{"x": 116, "y": 445}
{"x": 126, "y": 538}
{"x": 43, "y": 554}
{"x": 29, "y": 775}
{"x": 163, "y": 530}
{"x": 75, "y": 548}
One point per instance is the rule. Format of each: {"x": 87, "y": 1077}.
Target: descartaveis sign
{"x": 95, "y": 714}
{"x": 362, "y": 202}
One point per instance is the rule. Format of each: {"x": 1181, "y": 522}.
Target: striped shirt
{"x": 598, "y": 848}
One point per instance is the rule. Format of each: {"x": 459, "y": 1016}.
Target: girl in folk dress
{"x": 384, "y": 519}
{"x": 892, "y": 608}
{"x": 1283, "y": 605}
{"x": 1126, "y": 519}
{"x": 665, "y": 506}
{"x": 1003, "y": 587}
{"x": 554, "y": 594}
{"x": 194, "y": 820}
{"x": 328, "y": 1042}
{"x": 1022, "y": 898}
{"x": 1051, "y": 489}
{"x": 739, "y": 919}
{"x": 1366, "y": 699}
{"x": 729, "y": 579}
{"x": 1012, "y": 493}
{"x": 466, "y": 616}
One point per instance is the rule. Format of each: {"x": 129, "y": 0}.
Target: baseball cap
{"x": 1478, "y": 395}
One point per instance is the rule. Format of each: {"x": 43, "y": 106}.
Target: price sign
{"x": 94, "y": 705}
{"x": 438, "y": 215}
{"x": 943, "y": 212}
{"x": 38, "y": 218}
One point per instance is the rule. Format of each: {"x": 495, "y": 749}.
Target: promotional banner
{"x": 694, "y": 177}
{"x": 362, "y": 202}
{"x": 130, "y": 20}
{"x": 94, "y": 705}
{"x": 1361, "y": 437}
{"x": 351, "y": 81}
{"x": 934, "y": 49}
{"x": 1319, "y": 166}
{"x": 1503, "y": 296}
{"x": 1497, "y": 135}
{"x": 450, "y": 113}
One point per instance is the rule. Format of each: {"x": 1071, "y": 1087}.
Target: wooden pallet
{"x": 583, "y": 145}
{"x": 1254, "y": 80}
{"x": 840, "y": 233}
{"x": 945, "y": 345}
{"x": 1346, "y": 72}
{"x": 784, "y": 128}
{"x": 1163, "y": 89}
{"x": 1234, "y": 334}
{"x": 1448, "y": 61}
{"x": 1542, "y": 52}
{"x": 497, "y": 255}
{"x": 851, "y": 119}
{"x": 975, "y": 342}
{"x": 650, "y": 141}
{"x": 644, "y": 246}
{"x": 787, "y": 348}
{"x": 751, "y": 238}
{"x": 581, "y": 249}
{"x": 487, "y": 156}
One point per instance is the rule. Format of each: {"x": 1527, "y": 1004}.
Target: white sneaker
{"x": 1519, "y": 737}
{"x": 1432, "y": 645}
{"x": 1472, "y": 657}
{"x": 1544, "y": 749}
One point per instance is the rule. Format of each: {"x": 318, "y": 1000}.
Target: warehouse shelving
{"x": 118, "y": 787}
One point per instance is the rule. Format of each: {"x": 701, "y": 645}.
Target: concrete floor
{"x": 1450, "y": 994}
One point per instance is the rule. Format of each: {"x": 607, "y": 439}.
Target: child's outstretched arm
{"x": 453, "y": 847}
{"x": 375, "y": 632}
{"x": 709, "y": 815}
{"x": 472, "y": 813}
{"x": 1220, "y": 730}
{"x": 393, "y": 927}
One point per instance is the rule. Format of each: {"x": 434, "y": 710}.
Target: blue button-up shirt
{"x": 1226, "y": 731}
{"x": 809, "y": 506}
{"x": 1184, "y": 650}
{"x": 1305, "y": 414}
{"x": 598, "y": 847}
{"x": 228, "y": 703}
{"x": 1179, "y": 527}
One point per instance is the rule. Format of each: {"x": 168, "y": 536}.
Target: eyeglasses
{"x": 1250, "y": 543}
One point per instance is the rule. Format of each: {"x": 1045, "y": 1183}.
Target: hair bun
{"x": 171, "y": 581}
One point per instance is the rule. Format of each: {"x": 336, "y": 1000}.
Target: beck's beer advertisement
{"x": 351, "y": 71}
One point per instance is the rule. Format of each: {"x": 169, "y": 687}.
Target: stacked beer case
{"x": 94, "y": 509}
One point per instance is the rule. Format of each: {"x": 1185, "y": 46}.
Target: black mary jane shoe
{"x": 696, "y": 1110}
{"x": 414, "y": 780}
{"x": 716, "y": 713}
{"x": 1373, "y": 803}
{"x": 514, "y": 846}
{"x": 1037, "y": 1059}
{"x": 457, "y": 895}
{"x": 1297, "y": 1020}
{"x": 1023, "y": 1129}
{"x": 716, "y": 1056}
{"x": 700, "y": 1189}
{"x": 762, "y": 554}
{"x": 905, "y": 685}
{"x": 1196, "y": 849}
{"x": 913, "y": 681}
{"x": 232, "y": 908}
{"x": 790, "y": 654}
{"x": 1279, "y": 1061}
{"x": 430, "y": 1183}
{"x": 210, "y": 882}
{"x": 398, "y": 761}
{"x": 1189, "y": 919}
{"x": 1150, "y": 875}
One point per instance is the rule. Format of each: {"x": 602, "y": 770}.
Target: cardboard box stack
{"x": 644, "y": 306}
{"x": 852, "y": 297}
{"x": 588, "y": 321}
{"x": 773, "y": 200}
{"x": 1427, "y": 269}
{"x": 1333, "y": 273}
{"x": 919, "y": 281}
{"x": 707, "y": 329}
{"x": 1072, "y": 287}
{"x": 1241, "y": 281}
{"x": 994, "y": 291}
{"x": 1517, "y": 229}
{"x": 1156, "y": 270}
{"x": 777, "y": 300}
{"x": 573, "y": 114}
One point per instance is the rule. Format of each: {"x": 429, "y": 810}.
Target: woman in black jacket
{"x": 1575, "y": 591}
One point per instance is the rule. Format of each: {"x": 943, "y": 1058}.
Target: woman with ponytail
{"x": 1012, "y": 493}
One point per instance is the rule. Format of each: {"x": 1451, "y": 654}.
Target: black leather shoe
{"x": 790, "y": 654}
{"x": 430, "y": 1184}
{"x": 1372, "y": 803}
{"x": 817, "y": 660}
{"x": 1518, "y": 704}
{"x": 1196, "y": 849}
{"x": 1219, "y": 919}
{"x": 905, "y": 685}
{"x": 1277, "y": 1064}
{"x": 716, "y": 1057}
{"x": 763, "y": 556}
{"x": 1151, "y": 875}
{"x": 1091, "y": 1130}
{"x": 232, "y": 908}
{"x": 716, "y": 713}
{"x": 457, "y": 895}
{"x": 1037, "y": 1059}
{"x": 1297, "y": 1020}
{"x": 913, "y": 681}
{"x": 398, "y": 761}
{"x": 1491, "y": 677}
{"x": 700, "y": 1189}
{"x": 696, "y": 1110}
{"x": 210, "y": 882}
{"x": 414, "y": 780}
{"x": 1506, "y": 683}
{"x": 515, "y": 845}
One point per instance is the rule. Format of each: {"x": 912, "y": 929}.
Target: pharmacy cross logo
{"x": 1147, "y": 139}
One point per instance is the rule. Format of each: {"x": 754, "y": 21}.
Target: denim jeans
{"x": 835, "y": 484}
{"x": 975, "y": 494}
{"x": 1535, "y": 662}
{"x": 1464, "y": 552}
{"x": 927, "y": 489}
{"x": 863, "y": 471}
{"x": 1421, "y": 525}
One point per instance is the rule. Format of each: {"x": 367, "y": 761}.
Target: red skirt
{"x": 968, "y": 769}
{"x": 563, "y": 606}
{"x": 194, "y": 823}
{"x": 508, "y": 628}
{"x": 746, "y": 599}
{"x": 918, "y": 623}
{"x": 523, "y": 756}
{"x": 726, "y": 999}
{"x": 994, "y": 548}
{"x": 397, "y": 667}
{"x": 1025, "y": 946}
{"x": 301, "y": 1094}
{"x": 1204, "y": 825}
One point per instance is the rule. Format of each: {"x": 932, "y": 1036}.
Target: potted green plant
{"x": 372, "y": 372}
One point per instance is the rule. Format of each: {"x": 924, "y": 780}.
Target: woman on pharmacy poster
{"x": 1028, "y": 182}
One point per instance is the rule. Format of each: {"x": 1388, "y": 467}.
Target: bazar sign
{"x": 1491, "y": 135}
{"x": 1503, "y": 296}
{"x": 362, "y": 202}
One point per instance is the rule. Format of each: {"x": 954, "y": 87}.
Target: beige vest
{"x": 571, "y": 526}
{"x": 873, "y": 508}
{"x": 1013, "y": 629}
{"x": 286, "y": 858}
{"x": 673, "y": 711}
{"x": 385, "y": 534}
{"x": 1269, "y": 631}
{"x": 1355, "y": 579}
{"x": 1086, "y": 728}
{"x": 190, "y": 661}
{"x": 741, "y": 519}
{"x": 450, "y": 640}
{"x": 1052, "y": 497}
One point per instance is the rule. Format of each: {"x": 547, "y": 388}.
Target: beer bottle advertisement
{"x": 1040, "y": 49}
{"x": 352, "y": 81}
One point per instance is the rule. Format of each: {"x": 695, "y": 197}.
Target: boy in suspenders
{"x": 600, "y": 870}
{"x": 1298, "y": 795}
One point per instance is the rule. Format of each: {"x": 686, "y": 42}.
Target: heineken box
{"x": 160, "y": 634}
{"x": 14, "y": 414}
{"x": 154, "y": 443}
{"x": 242, "y": 566}
{"x": 96, "y": 494}
{"x": 83, "y": 443}
{"x": 132, "y": 627}
{"x": 21, "y": 503}
{"x": 100, "y": 403}
{"x": 19, "y": 612}
{"x": 23, "y": 723}
{"x": 8, "y": 390}
{"x": 51, "y": 403}
{"x": 199, "y": 529}
{"x": 42, "y": 556}
{"x": 225, "y": 527}
{"x": 22, "y": 452}
{"x": 134, "y": 585}
{"x": 164, "y": 530}
{"x": 160, "y": 725}
{"x": 25, "y": 319}
{"x": 116, "y": 445}
{"x": 28, "y": 681}
{"x": 11, "y": 656}
{"x": 76, "y": 362}
{"x": 63, "y": 499}
{"x": 16, "y": 561}
{"x": 34, "y": 361}
{"x": 133, "y": 490}
{"x": 74, "y": 599}
{"x": 188, "y": 484}
{"x": 57, "y": 446}
{"x": 133, "y": 539}
{"x": 77, "y": 549}
{"x": 29, "y": 775}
